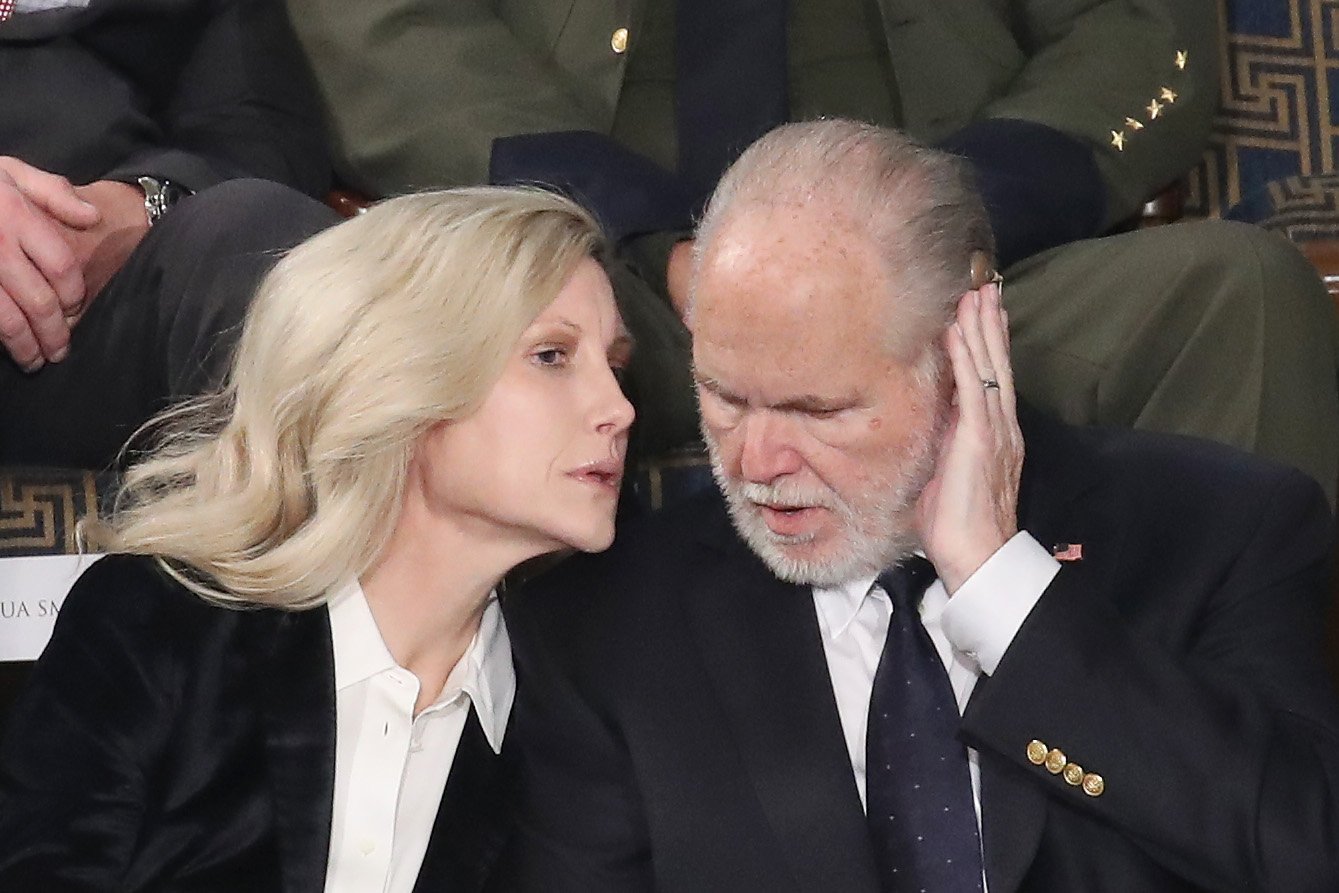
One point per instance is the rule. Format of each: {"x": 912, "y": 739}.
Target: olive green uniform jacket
{"x": 1216, "y": 329}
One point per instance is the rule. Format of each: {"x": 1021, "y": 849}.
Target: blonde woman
{"x": 295, "y": 673}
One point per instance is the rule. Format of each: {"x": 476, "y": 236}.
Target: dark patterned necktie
{"x": 918, "y": 788}
{"x": 6, "y": 9}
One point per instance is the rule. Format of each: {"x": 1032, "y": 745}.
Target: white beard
{"x": 878, "y": 525}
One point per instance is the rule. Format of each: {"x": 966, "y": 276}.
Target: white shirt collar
{"x": 484, "y": 673}
{"x": 840, "y": 604}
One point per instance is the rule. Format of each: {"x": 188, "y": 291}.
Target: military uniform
{"x": 1211, "y": 329}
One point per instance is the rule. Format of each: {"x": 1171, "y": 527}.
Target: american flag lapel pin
{"x": 1067, "y": 551}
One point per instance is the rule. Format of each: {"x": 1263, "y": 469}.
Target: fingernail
{"x": 35, "y": 365}
{"x": 60, "y": 354}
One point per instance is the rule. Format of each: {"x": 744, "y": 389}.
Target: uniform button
{"x": 367, "y": 846}
{"x": 1036, "y": 752}
{"x": 1073, "y": 774}
{"x": 1093, "y": 785}
{"x": 1055, "y": 761}
{"x": 618, "y": 41}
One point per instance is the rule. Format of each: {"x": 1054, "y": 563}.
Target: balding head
{"x": 829, "y": 262}
{"x": 911, "y": 207}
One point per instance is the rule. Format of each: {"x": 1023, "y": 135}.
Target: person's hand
{"x": 41, "y": 280}
{"x": 970, "y": 507}
{"x": 102, "y": 249}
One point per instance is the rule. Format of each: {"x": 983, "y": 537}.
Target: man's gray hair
{"x": 917, "y": 205}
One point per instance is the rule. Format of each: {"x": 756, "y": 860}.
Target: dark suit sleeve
{"x": 1217, "y": 733}
{"x": 93, "y": 719}
{"x": 241, "y": 106}
{"x": 582, "y": 826}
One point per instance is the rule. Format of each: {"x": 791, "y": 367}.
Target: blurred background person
{"x": 296, "y": 671}
{"x": 124, "y": 267}
{"x": 1072, "y": 114}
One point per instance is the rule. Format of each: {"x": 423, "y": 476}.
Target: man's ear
{"x": 983, "y": 271}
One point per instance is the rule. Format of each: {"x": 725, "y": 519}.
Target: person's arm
{"x": 240, "y": 106}
{"x": 1056, "y": 159}
{"x": 1220, "y": 750}
{"x": 423, "y": 94}
{"x": 418, "y": 90}
{"x": 80, "y": 741}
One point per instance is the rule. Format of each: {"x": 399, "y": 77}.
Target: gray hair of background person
{"x": 917, "y": 205}
{"x": 289, "y": 480}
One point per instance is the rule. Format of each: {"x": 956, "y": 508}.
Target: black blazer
{"x": 164, "y": 743}
{"x": 679, "y": 729}
{"x": 197, "y": 91}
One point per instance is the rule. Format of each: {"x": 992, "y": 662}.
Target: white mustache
{"x": 787, "y": 494}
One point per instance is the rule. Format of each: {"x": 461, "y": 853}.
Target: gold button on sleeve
{"x": 1036, "y": 752}
{"x": 1073, "y": 774}
{"x": 1093, "y": 785}
{"x": 1055, "y": 761}
{"x": 618, "y": 41}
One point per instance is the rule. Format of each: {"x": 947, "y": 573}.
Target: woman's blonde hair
{"x": 289, "y": 479}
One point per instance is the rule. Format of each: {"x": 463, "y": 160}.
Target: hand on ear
{"x": 969, "y": 508}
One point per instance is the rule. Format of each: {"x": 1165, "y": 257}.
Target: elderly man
{"x": 1114, "y": 681}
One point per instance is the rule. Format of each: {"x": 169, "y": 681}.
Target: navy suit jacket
{"x": 679, "y": 731}
{"x": 164, "y": 743}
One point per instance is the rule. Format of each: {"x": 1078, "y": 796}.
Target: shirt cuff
{"x": 984, "y": 615}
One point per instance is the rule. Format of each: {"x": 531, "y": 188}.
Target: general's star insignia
{"x": 1118, "y": 140}
{"x": 1154, "y": 109}
{"x": 1167, "y": 94}
{"x": 1181, "y": 58}
{"x": 1134, "y": 124}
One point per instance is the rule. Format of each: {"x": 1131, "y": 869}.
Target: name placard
{"x": 32, "y": 589}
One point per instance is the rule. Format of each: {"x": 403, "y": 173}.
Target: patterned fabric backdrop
{"x": 1276, "y": 138}
{"x": 40, "y": 507}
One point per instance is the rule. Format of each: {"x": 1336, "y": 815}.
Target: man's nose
{"x": 768, "y": 451}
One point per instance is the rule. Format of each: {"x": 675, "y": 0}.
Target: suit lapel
{"x": 760, "y": 642}
{"x": 1060, "y": 503}
{"x": 473, "y": 820}
{"x": 299, "y": 717}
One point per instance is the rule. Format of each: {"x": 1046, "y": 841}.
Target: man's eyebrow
{"x": 812, "y": 403}
{"x": 804, "y": 403}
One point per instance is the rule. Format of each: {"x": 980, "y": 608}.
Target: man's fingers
{"x": 996, "y": 339}
{"x": 55, "y": 260}
{"x": 40, "y": 315}
{"x": 16, "y": 334}
{"x": 971, "y": 398}
{"x": 52, "y": 193}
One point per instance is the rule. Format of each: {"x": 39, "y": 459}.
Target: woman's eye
{"x": 550, "y": 356}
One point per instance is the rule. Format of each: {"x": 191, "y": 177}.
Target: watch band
{"x": 160, "y": 196}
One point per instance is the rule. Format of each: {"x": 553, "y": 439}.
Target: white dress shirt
{"x": 971, "y": 632}
{"x": 390, "y": 765}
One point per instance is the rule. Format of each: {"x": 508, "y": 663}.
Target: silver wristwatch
{"x": 160, "y": 196}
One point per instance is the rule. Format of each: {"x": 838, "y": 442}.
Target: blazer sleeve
{"x": 242, "y": 105}
{"x": 92, "y": 720}
{"x": 1093, "y": 64}
{"x": 418, "y": 90}
{"x": 1217, "y": 734}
